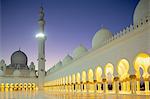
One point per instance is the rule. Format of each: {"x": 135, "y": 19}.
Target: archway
{"x": 69, "y": 79}
{"x": 90, "y": 75}
{"x": 66, "y": 84}
{"x": 141, "y": 65}
{"x": 108, "y": 71}
{"x": 64, "y": 81}
{"x": 33, "y": 85}
{"x": 90, "y": 84}
{"x": 29, "y": 85}
{"x": 69, "y": 83}
{"x": 62, "y": 86}
{"x": 2, "y": 87}
{"x": 78, "y": 82}
{"x": 122, "y": 69}
{"x": 78, "y": 77}
{"x": 20, "y": 86}
{"x": 25, "y": 86}
{"x": 142, "y": 84}
{"x": 16, "y": 86}
{"x": 84, "y": 89}
{"x": 98, "y": 74}
{"x": 73, "y": 82}
{"x": 7, "y": 85}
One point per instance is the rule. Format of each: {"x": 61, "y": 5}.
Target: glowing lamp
{"x": 40, "y": 35}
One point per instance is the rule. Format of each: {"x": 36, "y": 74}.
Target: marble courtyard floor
{"x": 60, "y": 95}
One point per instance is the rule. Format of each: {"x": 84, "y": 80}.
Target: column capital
{"x": 116, "y": 78}
{"x": 104, "y": 80}
{"x": 147, "y": 79}
{"x": 132, "y": 76}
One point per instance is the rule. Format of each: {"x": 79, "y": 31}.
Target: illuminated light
{"x": 73, "y": 78}
{"x": 123, "y": 68}
{"x": 142, "y": 61}
{"x": 33, "y": 85}
{"x": 6, "y": 89}
{"x": 2, "y": 85}
{"x": 98, "y": 73}
{"x": 90, "y": 75}
{"x": 16, "y": 86}
{"x": 69, "y": 79}
{"x": 25, "y": 85}
{"x": 20, "y": 86}
{"x": 40, "y": 35}
{"x": 29, "y": 85}
{"x": 7, "y": 85}
{"x": 11, "y": 89}
{"x": 11, "y": 85}
{"x": 83, "y": 76}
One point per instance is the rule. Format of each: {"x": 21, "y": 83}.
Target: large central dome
{"x": 19, "y": 57}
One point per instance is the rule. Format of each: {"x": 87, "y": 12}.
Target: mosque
{"x": 118, "y": 64}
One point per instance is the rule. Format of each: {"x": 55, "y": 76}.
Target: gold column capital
{"x": 132, "y": 76}
{"x": 104, "y": 80}
{"x": 116, "y": 78}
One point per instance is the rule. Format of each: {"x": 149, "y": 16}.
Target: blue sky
{"x": 69, "y": 23}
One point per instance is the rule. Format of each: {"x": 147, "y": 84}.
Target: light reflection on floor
{"x": 30, "y": 94}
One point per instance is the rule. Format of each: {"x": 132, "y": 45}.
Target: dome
{"x": 79, "y": 51}
{"x": 100, "y": 37}
{"x": 1, "y": 72}
{"x": 142, "y": 10}
{"x": 19, "y": 57}
{"x": 2, "y": 62}
{"x": 67, "y": 60}
{"x": 17, "y": 73}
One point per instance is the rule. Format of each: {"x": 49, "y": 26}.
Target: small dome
{"x": 2, "y": 62}
{"x": 142, "y": 10}
{"x": 19, "y": 57}
{"x": 100, "y": 37}
{"x": 17, "y": 73}
{"x": 79, "y": 51}
{"x": 1, "y": 73}
{"x": 68, "y": 59}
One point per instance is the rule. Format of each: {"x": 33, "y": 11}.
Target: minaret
{"x": 41, "y": 37}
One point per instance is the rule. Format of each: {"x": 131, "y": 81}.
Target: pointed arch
{"x": 98, "y": 73}
{"x": 73, "y": 78}
{"x": 123, "y": 68}
{"x": 84, "y": 76}
{"x": 78, "y": 77}
{"x": 90, "y": 75}
{"x": 142, "y": 60}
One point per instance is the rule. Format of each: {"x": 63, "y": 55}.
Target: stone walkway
{"x": 57, "y": 95}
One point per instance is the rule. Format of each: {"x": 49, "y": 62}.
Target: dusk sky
{"x": 69, "y": 23}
